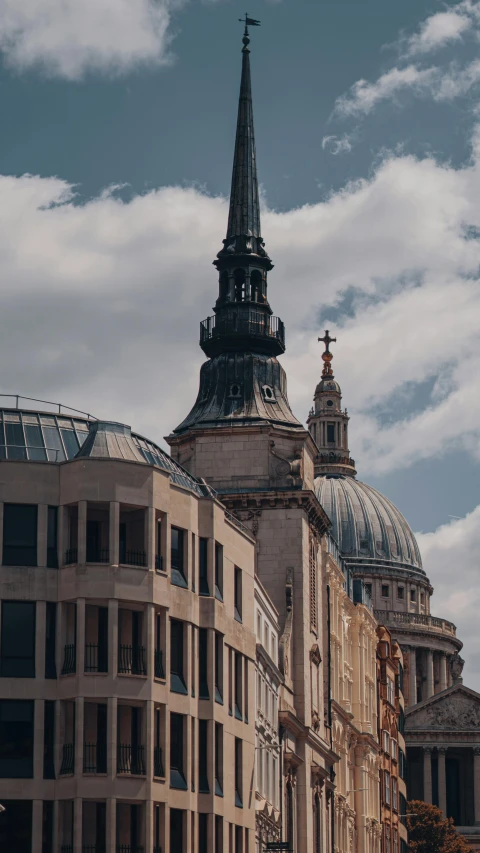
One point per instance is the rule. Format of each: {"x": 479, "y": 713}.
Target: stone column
{"x": 77, "y": 823}
{"x": 476, "y": 782}
{"x": 1, "y": 532}
{"x": 112, "y": 725}
{"x": 80, "y": 638}
{"x": 82, "y": 532}
{"x": 111, "y": 827}
{"x": 79, "y": 720}
{"x": 427, "y": 774}
{"x": 37, "y": 821}
{"x": 443, "y": 671}
{"x": 430, "y": 679}
{"x": 149, "y": 828}
{"x": 40, "y": 631}
{"x": 113, "y": 637}
{"x": 150, "y": 639}
{"x": 150, "y": 536}
{"x": 442, "y": 780}
{"x": 149, "y": 737}
{"x": 56, "y": 824}
{"x": 39, "y": 715}
{"x": 114, "y": 532}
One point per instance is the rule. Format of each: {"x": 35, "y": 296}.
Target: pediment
{"x": 455, "y": 709}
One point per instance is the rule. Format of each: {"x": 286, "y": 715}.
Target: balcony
{"x": 133, "y": 558}
{"x": 159, "y": 668}
{"x": 95, "y": 658}
{"x": 93, "y": 848}
{"x": 236, "y": 326}
{"x": 416, "y": 621}
{"x": 130, "y": 760}
{"x": 69, "y": 659}
{"x": 71, "y": 557}
{"x": 94, "y": 758}
{"x": 158, "y": 769}
{"x": 131, "y": 660}
{"x": 158, "y": 562}
{"x": 98, "y": 555}
{"x": 129, "y": 848}
{"x": 68, "y": 759}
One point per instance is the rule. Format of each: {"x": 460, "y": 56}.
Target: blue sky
{"x": 118, "y": 119}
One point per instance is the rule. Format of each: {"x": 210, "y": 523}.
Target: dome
{"x": 328, "y": 385}
{"x": 369, "y": 529}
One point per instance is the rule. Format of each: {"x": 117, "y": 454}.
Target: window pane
{"x": 3, "y": 452}
{"x": 19, "y": 535}
{"x": 15, "y": 441}
{"x": 53, "y": 444}
{"x": 16, "y": 739}
{"x": 18, "y": 639}
{"x": 70, "y": 441}
{"x": 35, "y": 443}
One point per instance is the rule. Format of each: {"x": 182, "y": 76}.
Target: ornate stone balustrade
{"x": 390, "y": 617}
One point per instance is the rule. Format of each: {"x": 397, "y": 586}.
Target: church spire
{"x": 328, "y": 422}
{"x": 244, "y": 214}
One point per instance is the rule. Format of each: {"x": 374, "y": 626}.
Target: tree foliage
{"x": 429, "y": 832}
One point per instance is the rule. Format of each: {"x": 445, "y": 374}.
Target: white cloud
{"x": 69, "y": 38}
{"x": 453, "y": 552}
{"x": 363, "y": 96}
{"x": 338, "y": 144}
{"x": 438, "y": 30}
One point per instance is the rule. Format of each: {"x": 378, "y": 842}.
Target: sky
{"x": 118, "y": 122}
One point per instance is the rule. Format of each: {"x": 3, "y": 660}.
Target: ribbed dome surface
{"x": 366, "y": 525}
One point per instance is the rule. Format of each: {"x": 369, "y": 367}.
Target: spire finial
{"x": 327, "y": 355}
{"x": 249, "y": 22}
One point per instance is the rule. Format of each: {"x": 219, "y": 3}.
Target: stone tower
{"x": 243, "y": 439}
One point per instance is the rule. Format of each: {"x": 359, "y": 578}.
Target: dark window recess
{"x": 413, "y": 595}
{"x": 176, "y": 831}
{"x": 47, "y": 827}
{"x": 238, "y": 686}
{"x": 218, "y": 571}
{"x": 159, "y": 668}
{"x": 203, "y": 833}
{"x": 400, "y": 592}
{"x": 158, "y": 755}
{"x": 368, "y": 589}
{"x": 19, "y": 535}
{"x": 49, "y": 740}
{"x": 237, "y": 604}
{"x": 219, "y": 668}
{"x": 177, "y": 680}
{"x": 52, "y": 527}
{"x": 219, "y": 759}
{"x": 203, "y": 557}
{"x": 239, "y": 839}
{"x": 238, "y": 774}
{"x": 203, "y": 690}
{"x": 177, "y": 772}
{"x": 330, "y": 433}
{"x": 385, "y": 590}
{"x": 178, "y": 557}
{"x": 16, "y": 739}
{"x": 218, "y": 834}
{"x": 16, "y": 826}
{"x": 18, "y": 639}
{"x": 157, "y": 848}
{"x": 204, "y": 787}
{"x": 50, "y": 640}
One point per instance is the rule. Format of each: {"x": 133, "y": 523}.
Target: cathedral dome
{"x": 369, "y": 529}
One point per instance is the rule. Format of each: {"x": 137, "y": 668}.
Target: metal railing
{"x": 159, "y": 668}
{"x": 158, "y": 769}
{"x": 69, "y": 659}
{"x": 14, "y": 457}
{"x": 71, "y": 556}
{"x": 133, "y": 558}
{"x": 130, "y": 759}
{"x": 98, "y": 555}
{"x": 93, "y": 848}
{"x": 94, "y": 758}
{"x": 95, "y": 658}
{"x": 68, "y": 759}
{"x": 159, "y": 562}
{"x": 131, "y": 660}
{"x": 242, "y": 322}
{"x": 66, "y": 848}
{"x": 129, "y": 848}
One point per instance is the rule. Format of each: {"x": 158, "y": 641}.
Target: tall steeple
{"x": 242, "y": 382}
{"x": 328, "y": 422}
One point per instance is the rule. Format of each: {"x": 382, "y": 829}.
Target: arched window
{"x": 317, "y": 825}
{"x": 239, "y": 276}
{"x": 224, "y": 284}
{"x": 256, "y": 286}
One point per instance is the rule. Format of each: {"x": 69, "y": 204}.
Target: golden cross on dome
{"x": 327, "y": 355}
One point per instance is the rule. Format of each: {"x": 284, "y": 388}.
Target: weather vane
{"x": 249, "y": 22}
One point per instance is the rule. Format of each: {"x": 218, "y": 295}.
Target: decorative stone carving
{"x": 456, "y": 668}
{"x": 454, "y": 713}
{"x": 285, "y": 639}
{"x": 315, "y": 721}
{"x": 315, "y": 655}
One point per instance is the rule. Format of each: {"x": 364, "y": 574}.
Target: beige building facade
{"x": 127, "y": 649}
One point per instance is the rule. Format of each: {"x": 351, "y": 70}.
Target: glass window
{"x": 50, "y": 639}
{"x": 238, "y": 595}
{"x": 81, "y": 437}
{"x": 16, "y": 826}
{"x": 400, "y": 592}
{"x": 15, "y": 441}
{"x": 238, "y": 773}
{"x": 387, "y": 788}
{"x": 394, "y": 792}
{"x": 178, "y": 557}
{"x": 413, "y": 595}
{"x": 219, "y": 668}
{"x": 385, "y": 590}
{"x": 36, "y": 450}
{"x": 52, "y": 557}
{"x": 203, "y": 691}
{"x": 204, "y": 787}
{"x": 218, "y": 759}
{"x": 16, "y": 739}
{"x": 238, "y": 686}
{"x": 19, "y": 535}
{"x": 331, "y": 433}
{"x": 3, "y": 452}
{"x": 204, "y": 590}
{"x": 55, "y": 451}
{"x": 70, "y": 441}
{"x": 218, "y": 571}
{"x": 202, "y": 833}
{"x": 49, "y": 741}
{"x": 177, "y": 680}
{"x": 18, "y": 639}
{"x": 177, "y": 774}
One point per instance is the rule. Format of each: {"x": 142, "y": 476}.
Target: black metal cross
{"x": 327, "y": 340}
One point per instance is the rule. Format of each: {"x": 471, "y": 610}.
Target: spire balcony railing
{"x": 243, "y": 323}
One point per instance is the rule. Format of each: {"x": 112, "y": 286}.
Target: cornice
{"x": 304, "y": 499}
